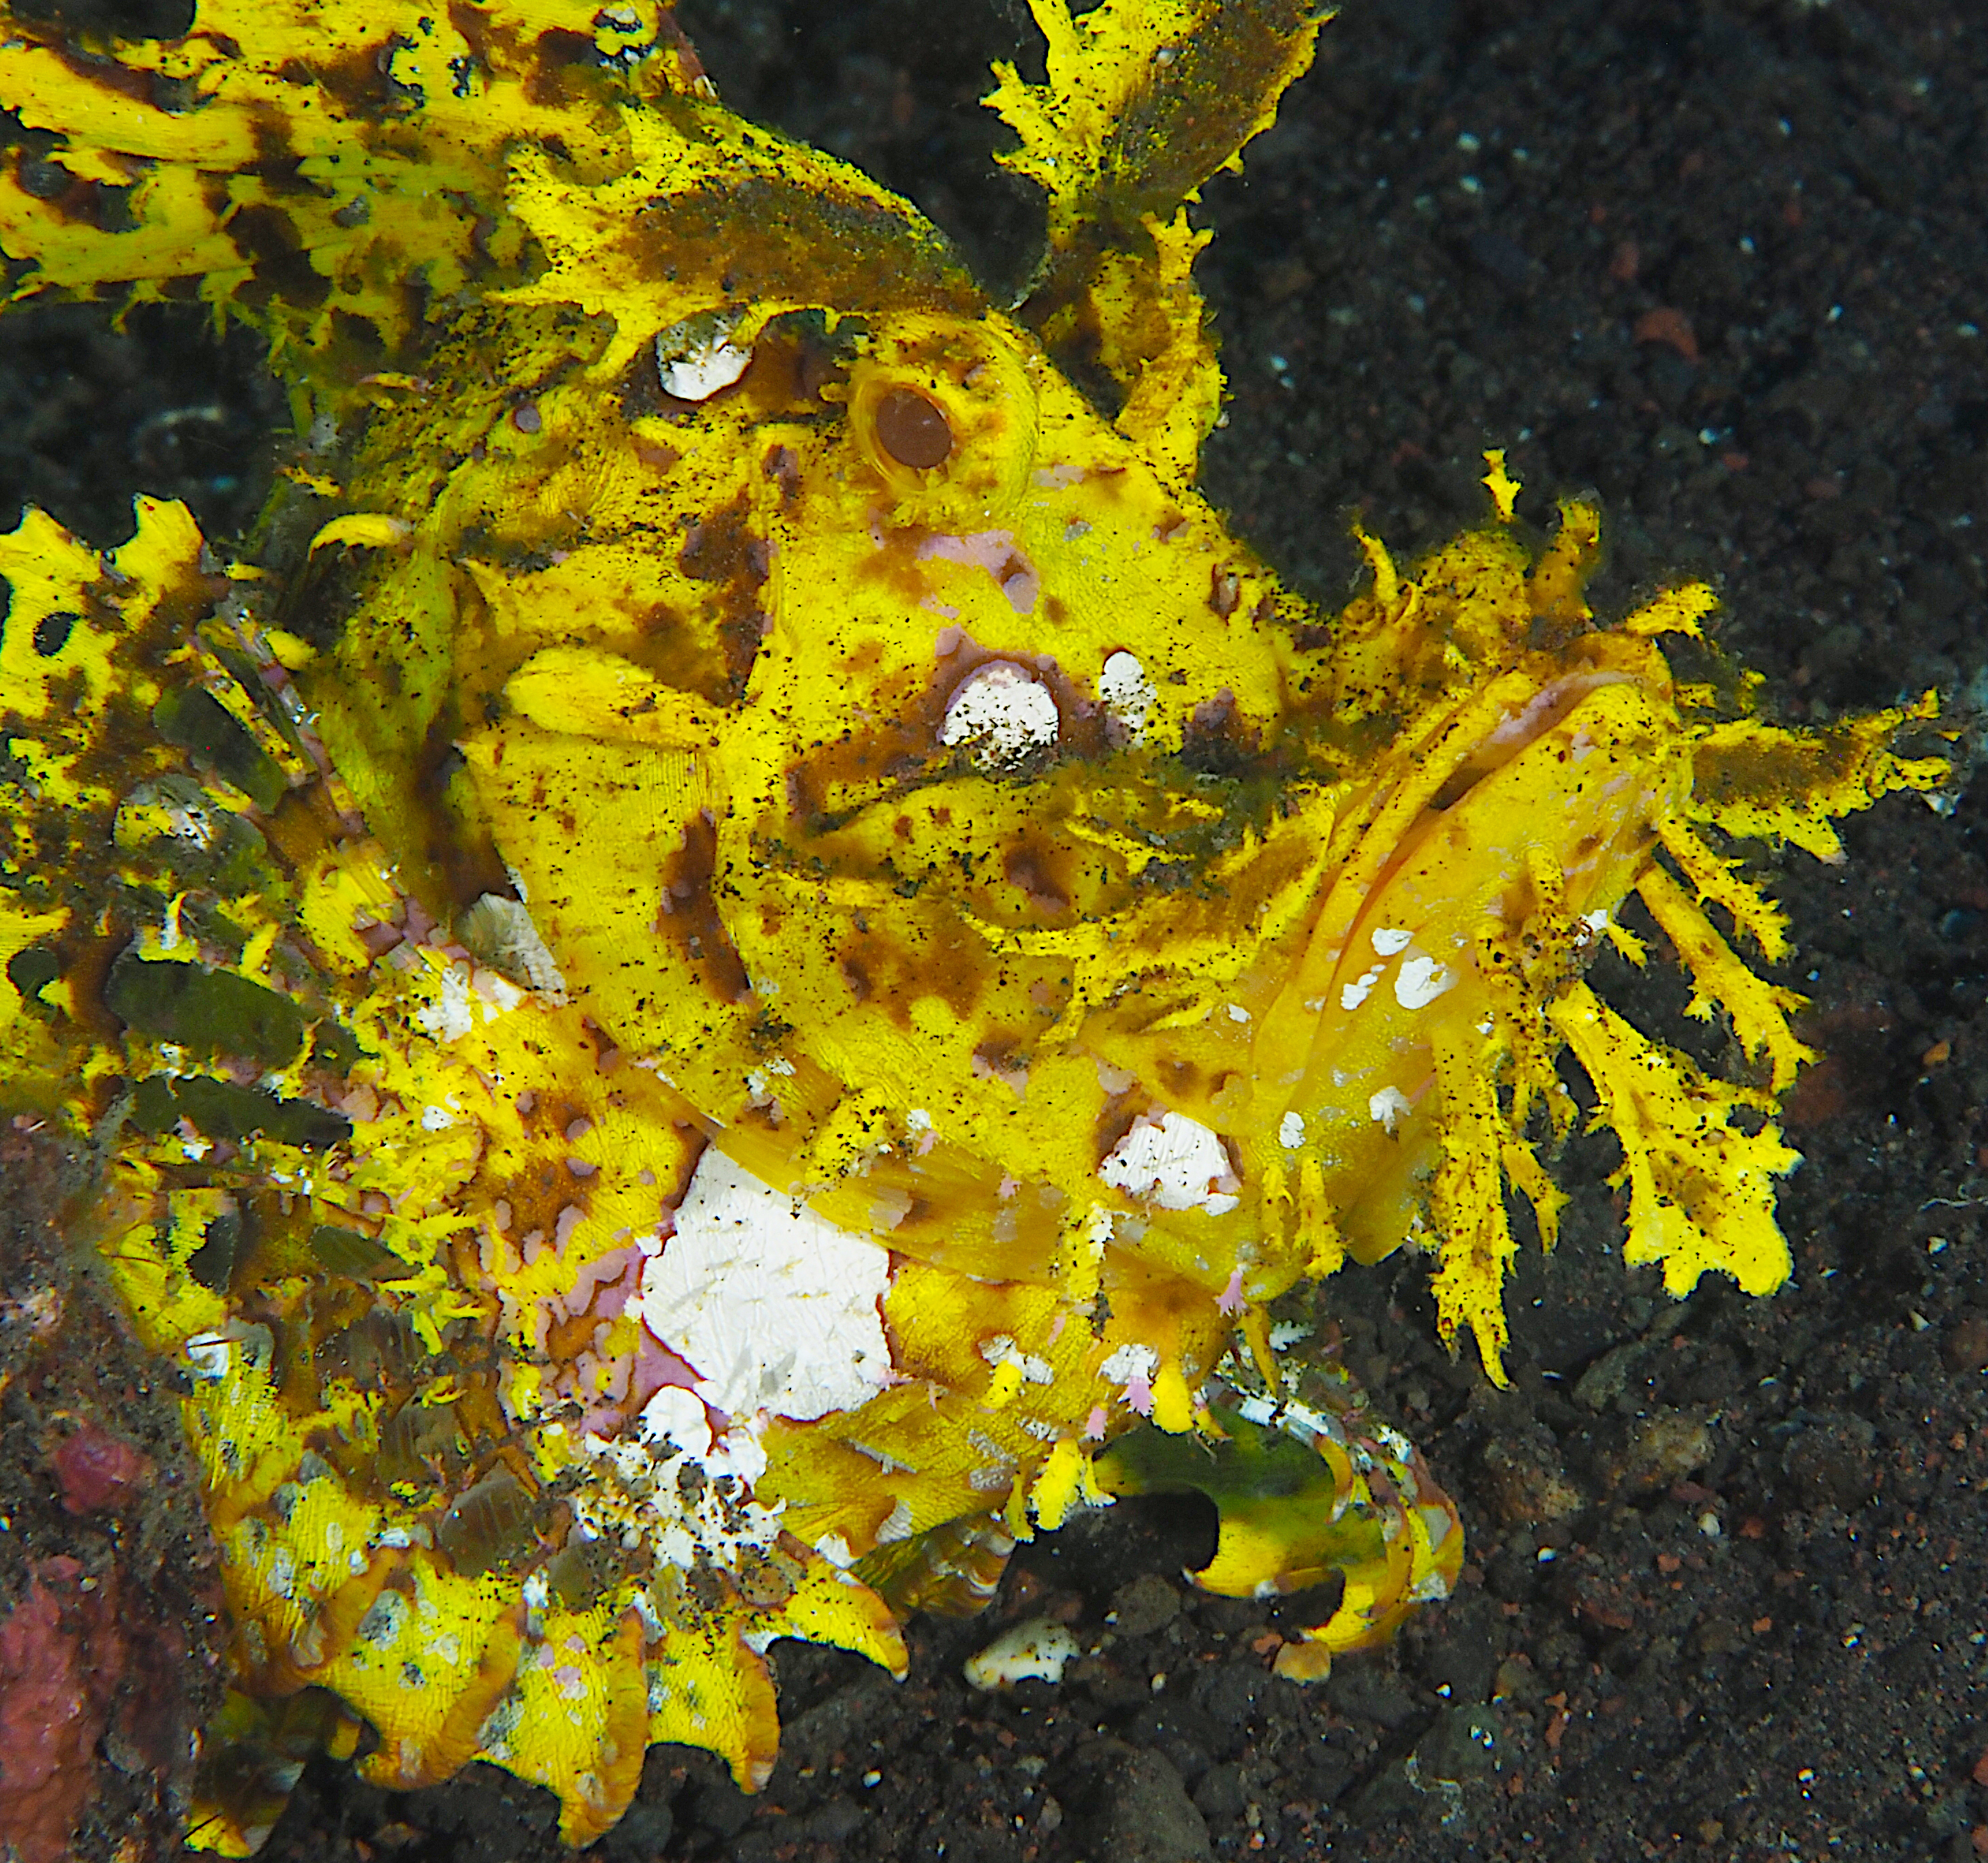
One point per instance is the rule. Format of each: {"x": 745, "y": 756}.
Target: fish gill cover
{"x": 728, "y": 967}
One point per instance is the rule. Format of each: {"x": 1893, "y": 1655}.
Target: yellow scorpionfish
{"x": 723, "y": 969}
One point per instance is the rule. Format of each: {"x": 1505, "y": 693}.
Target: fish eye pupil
{"x": 912, "y": 430}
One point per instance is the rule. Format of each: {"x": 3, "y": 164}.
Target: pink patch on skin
{"x": 1139, "y": 1394}
{"x": 569, "y": 1219}
{"x": 1231, "y": 1300}
{"x": 996, "y": 552}
{"x": 1094, "y": 1424}
{"x": 361, "y": 1104}
{"x": 633, "y": 1379}
{"x": 1056, "y": 1331}
{"x": 656, "y": 1365}
{"x": 605, "y": 1283}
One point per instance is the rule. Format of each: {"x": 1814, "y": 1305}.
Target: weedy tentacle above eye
{"x": 752, "y": 959}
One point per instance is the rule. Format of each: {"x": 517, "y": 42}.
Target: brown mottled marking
{"x": 625, "y": 1737}
{"x": 1031, "y": 866}
{"x": 557, "y": 51}
{"x": 416, "y": 1440}
{"x": 691, "y": 917}
{"x": 722, "y": 549}
{"x": 812, "y": 241}
{"x": 267, "y": 239}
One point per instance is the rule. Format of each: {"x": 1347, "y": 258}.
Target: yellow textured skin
{"x": 714, "y": 688}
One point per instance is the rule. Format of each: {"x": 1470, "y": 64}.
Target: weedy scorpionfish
{"x": 727, "y": 965}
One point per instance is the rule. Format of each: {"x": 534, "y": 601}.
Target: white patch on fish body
{"x": 1421, "y": 980}
{"x": 1000, "y": 712}
{"x": 1352, "y": 995}
{"x": 1388, "y": 1107}
{"x": 702, "y": 370}
{"x": 776, "y": 1307}
{"x": 1174, "y": 1161}
{"x": 1124, "y": 691}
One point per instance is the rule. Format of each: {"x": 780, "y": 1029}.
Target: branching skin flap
{"x": 728, "y": 969}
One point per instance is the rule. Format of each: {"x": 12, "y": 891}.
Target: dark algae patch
{"x": 1722, "y": 264}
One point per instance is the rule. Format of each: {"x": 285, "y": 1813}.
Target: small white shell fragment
{"x": 1037, "y": 1649}
{"x": 699, "y": 372}
{"x": 1390, "y": 940}
{"x": 1002, "y": 711}
{"x": 1290, "y": 1131}
{"x": 209, "y": 1353}
{"x": 1174, "y": 1161}
{"x": 1124, "y": 691}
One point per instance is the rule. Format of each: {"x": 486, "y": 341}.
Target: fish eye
{"x": 942, "y": 410}
{"x": 912, "y": 429}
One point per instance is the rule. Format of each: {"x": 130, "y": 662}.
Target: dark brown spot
{"x": 782, "y": 465}
{"x": 913, "y": 430}
{"x": 52, "y": 634}
{"x": 723, "y": 550}
{"x": 1218, "y": 741}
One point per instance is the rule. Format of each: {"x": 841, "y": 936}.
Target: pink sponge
{"x": 60, "y": 1656}
{"x": 97, "y": 1469}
